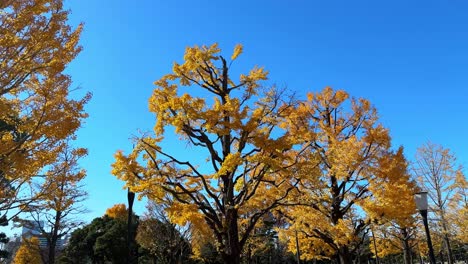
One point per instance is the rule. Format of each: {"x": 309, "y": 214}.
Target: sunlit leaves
{"x": 237, "y": 51}
{"x": 28, "y": 252}
{"x": 324, "y": 162}
{"x": 37, "y": 113}
{"x": 351, "y": 167}
{"x": 237, "y": 127}
{"x": 118, "y": 211}
{"x": 392, "y": 192}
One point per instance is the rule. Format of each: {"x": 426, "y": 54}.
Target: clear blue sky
{"x": 409, "y": 58}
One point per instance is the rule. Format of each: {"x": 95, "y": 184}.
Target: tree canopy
{"x": 248, "y": 153}
{"x": 348, "y": 169}
{"x": 37, "y": 112}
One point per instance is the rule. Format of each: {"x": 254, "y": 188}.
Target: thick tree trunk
{"x": 230, "y": 259}
{"x": 53, "y": 238}
{"x": 232, "y": 251}
{"x": 51, "y": 256}
{"x": 344, "y": 255}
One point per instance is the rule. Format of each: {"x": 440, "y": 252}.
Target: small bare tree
{"x": 165, "y": 241}
{"x": 436, "y": 170}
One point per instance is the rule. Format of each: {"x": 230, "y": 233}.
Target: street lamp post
{"x": 130, "y": 236}
{"x": 422, "y": 205}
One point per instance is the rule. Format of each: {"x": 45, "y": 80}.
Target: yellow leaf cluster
{"x": 231, "y": 161}
{"x": 392, "y": 191}
{"x": 251, "y": 80}
{"x": 29, "y": 252}
{"x": 61, "y": 189}
{"x": 181, "y": 214}
{"x": 118, "y": 211}
{"x": 237, "y": 51}
{"x": 310, "y": 247}
{"x": 386, "y": 246}
{"x": 458, "y": 207}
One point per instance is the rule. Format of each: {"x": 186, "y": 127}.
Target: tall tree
{"x": 353, "y": 178}
{"x": 60, "y": 205}
{"x": 36, "y": 111}
{"x": 237, "y": 128}
{"x": 436, "y": 169}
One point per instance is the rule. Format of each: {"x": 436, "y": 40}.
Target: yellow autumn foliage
{"x": 458, "y": 208}
{"x": 354, "y": 178}
{"x": 28, "y": 252}
{"x": 237, "y": 51}
{"x": 264, "y": 151}
{"x": 118, "y": 211}
{"x": 36, "y": 111}
{"x": 62, "y": 186}
{"x": 236, "y": 129}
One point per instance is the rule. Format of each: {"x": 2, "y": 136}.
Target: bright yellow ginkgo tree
{"x": 36, "y": 111}
{"x": 354, "y": 178}
{"x": 236, "y": 126}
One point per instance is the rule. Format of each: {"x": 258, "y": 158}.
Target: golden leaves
{"x": 235, "y": 124}
{"x": 61, "y": 189}
{"x": 197, "y": 55}
{"x": 125, "y": 167}
{"x": 28, "y": 252}
{"x": 231, "y": 161}
{"x": 118, "y": 211}
{"x": 237, "y": 51}
{"x": 328, "y": 97}
{"x": 199, "y": 70}
{"x": 251, "y": 80}
{"x": 263, "y": 151}
{"x": 350, "y": 169}
{"x": 182, "y": 214}
{"x": 36, "y": 112}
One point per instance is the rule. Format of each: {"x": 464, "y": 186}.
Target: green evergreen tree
{"x": 101, "y": 241}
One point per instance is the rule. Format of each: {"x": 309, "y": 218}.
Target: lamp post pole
{"x": 130, "y": 236}
{"x": 422, "y": 205}
{"x": 428, "y": 236}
